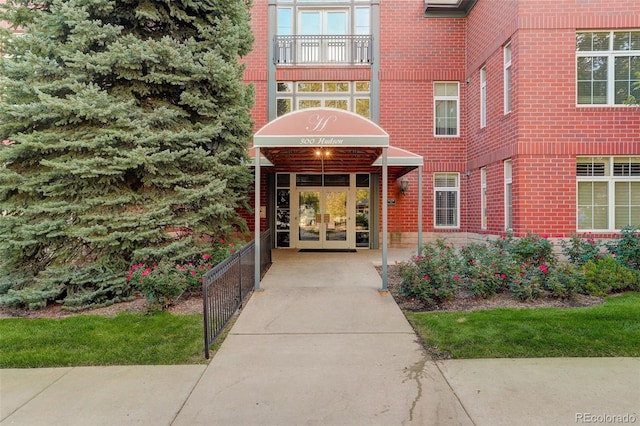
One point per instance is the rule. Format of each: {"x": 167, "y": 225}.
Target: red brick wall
{"x": 256, "y": 71}
{"x": 546, "y": 130}
{"x": 413, "y": 54}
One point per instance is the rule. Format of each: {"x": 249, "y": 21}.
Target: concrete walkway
{"x": 322, "y": 346}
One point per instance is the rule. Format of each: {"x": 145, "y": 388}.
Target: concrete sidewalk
{"x": 322, "y": 346}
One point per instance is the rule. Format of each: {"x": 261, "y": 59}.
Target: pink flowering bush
{"x": 526, "y": 267}
{"x": 159, "y": 283}
{"x": 581, "y": 249}
{"x": 433, "y": 277}
{"x": 487, "y": 270}
{"x": 163, "y": 283}
{"x": 565, "y": 281}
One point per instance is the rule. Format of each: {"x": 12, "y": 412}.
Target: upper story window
{"x": 483, "y": 97}
{"x": 507, "y": 78}
{"x": 608, "y": 67}
{"x": 329, "y": 31}
{"x": 446, "y": 108}
{"x": 351, "y": 96}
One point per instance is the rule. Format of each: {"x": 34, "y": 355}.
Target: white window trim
{"x": 483, "y": 97}
{"x": 508, "y": 204}
{"x": 611, "y": 55}
{"x": 611, "y": 180}
{"x": 447, "y": 98}
{"x": 455, "y": 189}
{"x": 483, "y": 199}
{"x": 508, "y": 78}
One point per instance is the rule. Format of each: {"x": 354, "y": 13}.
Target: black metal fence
{"x": 225, "y": 287}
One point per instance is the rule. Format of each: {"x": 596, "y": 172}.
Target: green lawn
{"x": 608, "y": 330}
{"x": 128, "y": 338}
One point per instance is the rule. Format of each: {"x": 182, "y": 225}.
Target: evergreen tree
{"x": 120, "y": 120}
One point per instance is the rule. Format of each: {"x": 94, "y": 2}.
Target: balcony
{"x": 323, "y": 50}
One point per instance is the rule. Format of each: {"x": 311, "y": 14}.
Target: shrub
{"x": 162, "y": 284}
{"x": 605, "y": 275}
{"x": 530, "y": 283}
{"x": 165, "y": 282}
{"x": 433, "y": 277}
{"x": 565, "y": 281}
{"x": 486, "y": 269}
{"x": 626, "y": 248}
{"x": 581, "y": 250}
{"x": 532, "y": 249}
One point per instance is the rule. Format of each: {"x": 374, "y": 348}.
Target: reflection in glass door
{"x": 309, "y": 216}
{"x": 335, "y": 206}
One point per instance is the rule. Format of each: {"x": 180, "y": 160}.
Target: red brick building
{"x": 517, "y": 112}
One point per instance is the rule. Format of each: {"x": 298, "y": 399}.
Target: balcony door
{"x": 331, "y": 24}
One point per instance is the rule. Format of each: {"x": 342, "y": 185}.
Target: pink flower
{"x": 129, "y": 278}
{"x": 426, "y": 277}
{"x": 457, "y": 278}
{"x": 194, "y": 272}
{"x": 231, "y": 245}
{"x": 503, "y": 276}
{"x": 206, "y": 257}
{"x": 201, "y": 267}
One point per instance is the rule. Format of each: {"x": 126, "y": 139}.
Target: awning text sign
{"x": 321, "y": 127}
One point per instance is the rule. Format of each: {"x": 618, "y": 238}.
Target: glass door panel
{"x": 362, "y": 217}
{"x": 336, "y": 23}
{"x": 336, "y": 215}
{"x": 309, "y": 215}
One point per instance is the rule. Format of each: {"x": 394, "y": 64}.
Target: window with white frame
{"x": 483, "y": 197}
{"x": 446, "y": 108}
{"x": 447, "y": 200}
{"x": 608, "y": 193}
{"x": 608, "y": 67}
{"x": 507, "y": 78}
{"x": 508, "y": 195}
{"x": 483, "y": 97}
{"x": 354, "y": 96}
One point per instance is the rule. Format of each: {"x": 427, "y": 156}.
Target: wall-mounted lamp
{"x": 404, "y": 185}
{"x": 468, "y": 174}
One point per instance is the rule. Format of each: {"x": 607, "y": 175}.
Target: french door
{"x": 331, "y": 22}
{"x": 323, "y": 220}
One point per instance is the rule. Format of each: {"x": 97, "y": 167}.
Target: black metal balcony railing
{"x": 323, "y": 49}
